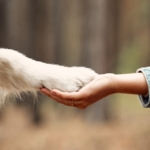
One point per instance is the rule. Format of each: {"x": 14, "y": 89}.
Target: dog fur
{"x": 19, "y": 73}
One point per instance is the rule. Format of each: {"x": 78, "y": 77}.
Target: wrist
{"x": 111, "y": 83}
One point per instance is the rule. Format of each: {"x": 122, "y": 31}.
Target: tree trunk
{"x": 44, "y": 31}
{"x": 100, "y": 47}
{"x": 20, "y": 31}
{"x": 71, "y": 32}
{"x": 20, "y": 26}
{"x": 2, "y": 23}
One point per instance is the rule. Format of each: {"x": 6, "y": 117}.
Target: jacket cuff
{"x": 145, "y": 100}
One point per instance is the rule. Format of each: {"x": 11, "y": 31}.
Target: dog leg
{"x": 19, "y": 73}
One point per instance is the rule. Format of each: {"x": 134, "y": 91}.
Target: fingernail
{"x": 43, "y": 90}
{"x": 53, "y": 93}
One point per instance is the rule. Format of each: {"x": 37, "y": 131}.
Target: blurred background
{"x": 107, "y": 36}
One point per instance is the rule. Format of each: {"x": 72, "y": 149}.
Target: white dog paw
{"x": 64, "y": 84}
{"x": 69, "y": 79}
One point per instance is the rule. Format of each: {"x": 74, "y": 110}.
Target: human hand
{"x": 99, "y": 88}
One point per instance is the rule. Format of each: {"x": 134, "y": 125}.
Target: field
{"x": 17, "y": 132}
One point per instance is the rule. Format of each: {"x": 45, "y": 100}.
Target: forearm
{"x": 102, "y": 86}
{"x": 131, "y": 84}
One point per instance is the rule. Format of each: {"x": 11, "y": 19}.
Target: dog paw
{"x": 69, "y": 79}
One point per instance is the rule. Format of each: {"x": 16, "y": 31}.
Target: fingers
{"x": 52, "y": 95}
{"x": 61, "y": 97}
{"x": 73, "y": 103}
{"x": 70, "y": 99}
{"x": 66, "y": 95}
{"x": 68, "y": 103}
{"x": 45, "y": 91}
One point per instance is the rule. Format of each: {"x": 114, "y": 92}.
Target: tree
{"x": 20, "y": 36}
{"x": 19, "y": 26}
{"x": 3, "y": 23}
{"x": 100, "y": 45}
